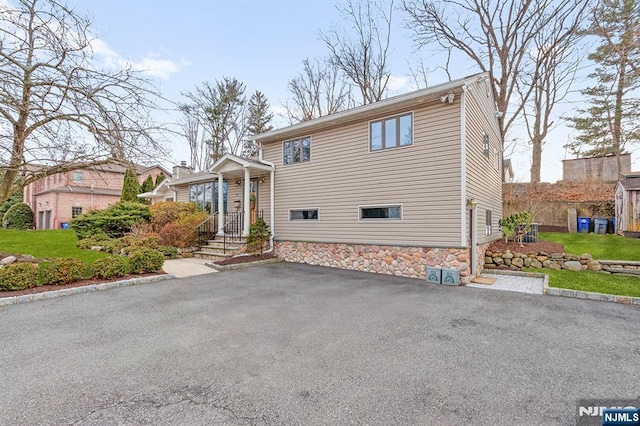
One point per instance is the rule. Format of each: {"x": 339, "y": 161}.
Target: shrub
{"x": 19, "y": 276}
{"x": 169, "y": 211}
{"x": 114, "y": 221}
{"x": 145, "y": 260}
{"x": 95, "y": 240}
{"x": 516, "y": 222}
{"x": 110, "y": 267}
{"x": 63, "y": 271}
{"x": 182, "y": 233}
{"x": 168, "y": 251}
{"x": 258, "y": 234}
{"x": 19, "y": 216}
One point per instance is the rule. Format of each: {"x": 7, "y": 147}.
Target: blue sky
{"x": 260, "y": 42}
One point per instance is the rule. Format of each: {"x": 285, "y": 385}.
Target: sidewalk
{"x": 517, "y": 283}
{"x": 187, "y": 267}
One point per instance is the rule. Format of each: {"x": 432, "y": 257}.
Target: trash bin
{"x": 613, "y": 225}
{"x": 64, "y": 225}
{"x": 600, "y": 226}
{"x": 583, "y": 224}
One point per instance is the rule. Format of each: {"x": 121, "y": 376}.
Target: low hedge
{"x": 63, "y": 271}
{"x": 19, "y": 276}
{"x": 110, "y": 267}
{"x": 145, "y": 260}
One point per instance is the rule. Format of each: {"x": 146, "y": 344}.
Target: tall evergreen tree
{"x": 259, "y": 121}
{"x": 612, "y": 118}
{"x": 130, "y": 186}
{"x": 161, "y": 177}
{"x": 148, "y": 185}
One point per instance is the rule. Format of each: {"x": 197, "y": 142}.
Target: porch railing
{"x": 207, "y": 229}
{"x": 233, "y": 227}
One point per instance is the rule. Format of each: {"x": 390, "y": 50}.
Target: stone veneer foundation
{"x": 391, "y": 260}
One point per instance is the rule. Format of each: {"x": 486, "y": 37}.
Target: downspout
{"x": 463, "y": 169}
{"x": 272, "y": 198}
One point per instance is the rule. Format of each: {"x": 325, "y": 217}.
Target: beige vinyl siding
{"x": 483, "y": 179}
{"x": 182, "y": 193}
{"x": 342, "y": 175}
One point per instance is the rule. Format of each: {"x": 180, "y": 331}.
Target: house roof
{"x": 223, "y": 161}
{"x": 68, "y": 189}
{"x": 630, "y": 182}
{"x": 193, "y": 177}
{"x": 362, "y": 112}
{"x": 108, "y": 167}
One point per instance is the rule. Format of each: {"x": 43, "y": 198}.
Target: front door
{"x": 253, "y": 199}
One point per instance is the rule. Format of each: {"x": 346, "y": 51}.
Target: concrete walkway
{"x": 519, "y": 284}
{"x": 187, "y": 267}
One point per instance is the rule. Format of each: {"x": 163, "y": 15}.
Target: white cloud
{"x": 150, "y": 64}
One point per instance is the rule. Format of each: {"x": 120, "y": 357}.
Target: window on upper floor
{"x": 76, "y": 211}
{"x": 487, "y": 223}
{"x": 296, "y": 151}
{"x": 485, "y": 144}
{"x": 391, "y": 132}
{"x": 78, "y": 177}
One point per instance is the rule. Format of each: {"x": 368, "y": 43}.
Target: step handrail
{"x": 207, "y": 229}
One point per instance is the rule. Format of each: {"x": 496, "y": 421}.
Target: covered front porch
{"x": 246, "y": 181}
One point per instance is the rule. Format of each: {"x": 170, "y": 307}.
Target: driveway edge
{"x": 26, "y": 298}
{"x": 243, "y": 265}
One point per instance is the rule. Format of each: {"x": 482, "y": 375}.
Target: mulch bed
{"x": 80, "y": 283}
{"x": 541, "y": 246}
{"x": 245, "y": 259}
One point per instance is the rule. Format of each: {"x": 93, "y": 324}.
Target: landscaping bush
{"x": 145, "y": 260}
{"x": 259, "y": 234}
{"x": 19, "y": 216}
{"x": 102, "y": 240}
{"x": 114, "y": 221}
{"x": 168, "y": 251}
{"x": 169, "y": 211}
{"x": 19, "y": 276}
{"x": 182, "y": 233}
{"x": 63, "y": 271}
{"x": 110, "y": 267}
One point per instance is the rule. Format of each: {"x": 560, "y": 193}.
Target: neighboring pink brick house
{"x": 58, "y": 198}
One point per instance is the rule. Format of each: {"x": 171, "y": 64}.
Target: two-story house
{"x": 58, "y": 198}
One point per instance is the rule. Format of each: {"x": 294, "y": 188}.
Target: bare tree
{"x": 362, "y": 56}
{"x": 191, "y": 130}
{"x": 546, "y": 79}
{"x": 58, "y": 109}
{"x": 497, "y": 36}
{"x": 222, "y": 113}
{"x": 317, "y": 91}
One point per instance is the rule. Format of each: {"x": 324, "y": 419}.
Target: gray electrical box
{"x": 450, "y": 277}
{"x": 434, "y": 275}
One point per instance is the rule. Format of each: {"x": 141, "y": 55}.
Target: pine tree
{"x": 161, "y": 177}
{"x": 147, "y": 185}
{"x": 612, "y": 118}
{"x": 130, "y": 186}
{"x": 259, "y": 121}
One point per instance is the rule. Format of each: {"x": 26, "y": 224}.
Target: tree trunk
{"x": 536, "y": 159}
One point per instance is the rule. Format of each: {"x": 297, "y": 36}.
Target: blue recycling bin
{"x": 600, "y": 226}
{"x": 64, "y": 225}
{"x": 613, "y": 223}
{"x": 583, "y": 224}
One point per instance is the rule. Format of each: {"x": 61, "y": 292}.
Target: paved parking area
{"x": 297, "y": 344}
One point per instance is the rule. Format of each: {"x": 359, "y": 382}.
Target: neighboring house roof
{"x": 363, "y": 112}
{"x": 68, "y": 189}
{"x": 109, "y": 167}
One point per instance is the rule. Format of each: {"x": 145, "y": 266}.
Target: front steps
{"x": 215, "y": 249}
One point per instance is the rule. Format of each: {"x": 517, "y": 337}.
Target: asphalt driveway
{"x": 296, "y": 344}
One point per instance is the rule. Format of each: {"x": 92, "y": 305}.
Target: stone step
{"x": 211, "y": 255}
{"x": 622, "y": 270}
{"x": 620, "y": 262}
{"x": 219, "y": 245}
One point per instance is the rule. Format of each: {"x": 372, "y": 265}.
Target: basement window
{"x": 303, "y": 214}
{"x": 381, "y": 212}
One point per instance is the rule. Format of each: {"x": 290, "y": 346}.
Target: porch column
{"x": 272, "y": 187}
{"x": 246, "y": 205}
{"x": 220, "y": 204}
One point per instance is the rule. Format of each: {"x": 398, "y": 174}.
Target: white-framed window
{"x": 303, "y": 214}
{"x": 78, "y": 177}
{"x": 296, "y": 151}
{"x": 391, "y": 132}
{"x": 388, "y": 212}
{"x": 487, "y": 223}
{"x": 485, "y": 144}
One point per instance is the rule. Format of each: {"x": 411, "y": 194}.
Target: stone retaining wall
{"x": 391, "y": 260}
{"x": 517, "y": 261}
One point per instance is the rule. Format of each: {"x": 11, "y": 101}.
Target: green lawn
{"x": 596, "y": 282}
{"x": 602, "y": 247}
{"x": 49, "y": 244}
